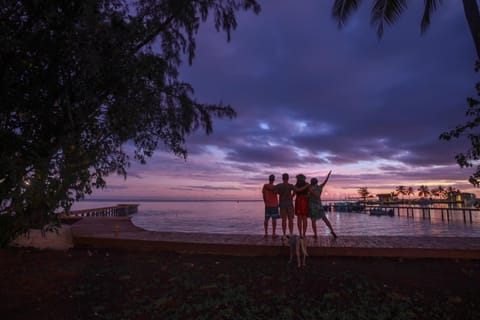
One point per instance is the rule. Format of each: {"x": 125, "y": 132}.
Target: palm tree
{"x": 394, "y": 196}
{"x": 363, "y": 192}
{"x": 388, "y": 11}
{"x": 441, "y": 192}
{"x": 470, "y": 7}
{"x": 410, "y": 191}
{"x": 452, "y": 190}
{"x": 434, "y": 192}
{"x": 423, "y": 191}
{"x": 401, "y": 190}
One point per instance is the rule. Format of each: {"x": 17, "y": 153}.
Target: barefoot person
{"x": 270, "y": 199}
{"x": 301, "y": 204}
{"x": 286, "y": 192}
{"x": 315, "y": 206}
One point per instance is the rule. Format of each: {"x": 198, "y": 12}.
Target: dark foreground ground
{"x": 83, "y": 284}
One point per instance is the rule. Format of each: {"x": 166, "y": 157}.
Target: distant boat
{"x": 349, "y": 206}
{"x": 382, "y": 212}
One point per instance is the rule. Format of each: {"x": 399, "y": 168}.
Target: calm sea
{"x": 246, "y": 217}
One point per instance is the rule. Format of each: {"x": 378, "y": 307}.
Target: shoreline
{"x": 120, "y": 233}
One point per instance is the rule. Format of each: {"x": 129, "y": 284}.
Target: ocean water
{"x": 246, "y": 217}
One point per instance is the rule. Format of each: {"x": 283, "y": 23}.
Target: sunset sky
{"x": 312, "y": 98}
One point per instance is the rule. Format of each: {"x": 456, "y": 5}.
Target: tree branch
{"x": 154, "y": 33}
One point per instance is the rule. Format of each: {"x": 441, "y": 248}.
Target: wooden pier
{"x": 426, "y": 211}
{"x": 116, "y": 211}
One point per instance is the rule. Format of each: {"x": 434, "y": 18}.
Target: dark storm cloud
{"x": 417, "y": 177}
{"x": 272, "y": 155}
{"x": 306, "y": 92}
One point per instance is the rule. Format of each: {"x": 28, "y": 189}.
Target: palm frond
{"x": 386, "y": 11}
{"x": 430, "y": 7}
{"x": 343, "y": 9}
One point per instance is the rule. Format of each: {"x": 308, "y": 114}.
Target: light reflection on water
{"x": 246, "y": 217}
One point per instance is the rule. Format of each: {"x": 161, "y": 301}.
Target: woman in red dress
{"x": 301, "y": 204}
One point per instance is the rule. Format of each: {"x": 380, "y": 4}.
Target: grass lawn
{"x": 83, "y": 284}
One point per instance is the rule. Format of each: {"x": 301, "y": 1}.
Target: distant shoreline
{"x": 193, "y": 200}
{"x": 168, "y": 200}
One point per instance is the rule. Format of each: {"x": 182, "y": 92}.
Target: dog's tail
{"x": 304, "y": 247}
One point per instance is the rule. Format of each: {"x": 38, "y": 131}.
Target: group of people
{"x": 279, "y": 203}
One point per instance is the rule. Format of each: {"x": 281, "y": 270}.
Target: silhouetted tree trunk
{"x": 473, "y": 18}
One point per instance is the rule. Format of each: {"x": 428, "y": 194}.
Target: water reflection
{"x": 233, "y": 217}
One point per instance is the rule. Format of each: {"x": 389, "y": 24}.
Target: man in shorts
{"x": 286, "y": 193}
{"x": 270, "y": 199}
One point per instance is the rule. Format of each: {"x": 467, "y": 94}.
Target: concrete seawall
{"x": 120, "y": 233}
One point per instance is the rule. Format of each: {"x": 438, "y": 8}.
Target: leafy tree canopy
{"x": 469, "y": 130}
{"x": 80, "y": 78}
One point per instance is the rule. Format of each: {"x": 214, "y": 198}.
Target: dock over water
{"x": 112, "y": 211}
{"x": 446, "y": 213}
{"x": 120, "y": 233}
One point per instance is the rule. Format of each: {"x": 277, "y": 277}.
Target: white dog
{"x": 298, "y": 246}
